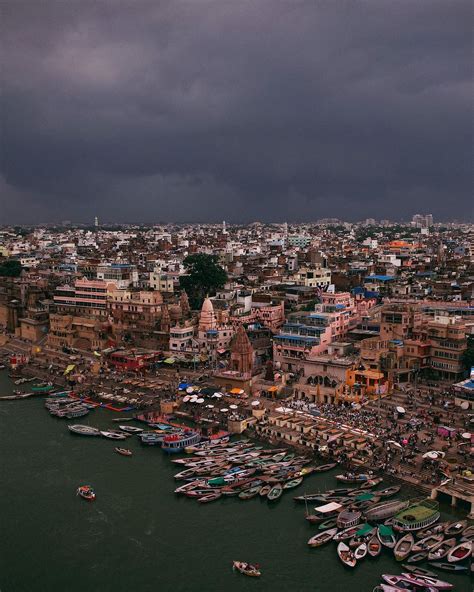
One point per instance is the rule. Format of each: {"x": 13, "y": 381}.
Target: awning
{"x": 169, "y": 361}
{"x": 331, "y": 507}
{"x": 236, "y": 391}
{"x": 272, "y": 389}
{"x": 69, "y": 368}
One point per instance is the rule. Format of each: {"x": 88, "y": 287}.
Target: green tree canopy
{"x": 468, "y": 354}
{"x": 10, "y": 268}
{"x": 203, "y": 276}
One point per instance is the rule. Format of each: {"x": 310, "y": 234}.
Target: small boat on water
{"x": 322, "y": 537}
{"x": 323, "y": 468}
{"x": 250, "y": 493}
{"x": 418, "y": 557}
{"x": 346, "y": 555}
{"x": 460, "y": 552}
{"x": 371, "y": 483}
{"x": 86, "y": 492}
{"x": 209, "y": 497}
{"x": 275, "y": 492}
{"x": 455, "y": 528}
{"x": 83, "y": 430}
{"x": 347, "y": 519}
{"x": 430, "y": 581}
{"x": 421, "y": 534}
{"x": 374, "y": 547}
{"x": 248, "y": 569}
{"x": 410, "y": 583}
{"x": 418, "y": 570}
{"x": 360, "y": 552}
{"x": 265, "y": 490}
{"x": 113, "y": 435}
{"x": 123, "y": 451}
{"x": 130, "y": 429}
{"x": 403, "y": 547}
{"x": 388, "y": 491}
{"x": 450, "y": 566}
{"x": 327, "y": 524}
{"x": 293, "y": 483}
{"x": 441, "y": 549}
{"x": 386, "y": 536}
{"x": 427, "y": 543}
{"x": 346, "y": 534}
{"x": 468, "y": 531}
{"x": 384, "y": 510}
{"x": 353, "y": 477}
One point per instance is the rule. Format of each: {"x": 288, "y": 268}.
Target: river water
{"x": 138, "y": 535}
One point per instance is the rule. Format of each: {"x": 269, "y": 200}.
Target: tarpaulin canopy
{"x": 69, "y": 369}
{"x": 331, "y": 507}
{"x": 169, "y": 361}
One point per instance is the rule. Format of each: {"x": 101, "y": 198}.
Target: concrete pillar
{"x": 434, "y": 493}
{"x": 454, "y": 501}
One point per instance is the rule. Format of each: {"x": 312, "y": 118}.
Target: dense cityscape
{"x": 349, "y": 346}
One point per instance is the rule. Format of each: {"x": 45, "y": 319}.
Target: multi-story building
{"x": 123, "y": 275}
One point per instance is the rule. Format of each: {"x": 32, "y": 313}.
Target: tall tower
{"x": 224, "y": 231}
{"x": 96, "y": 222}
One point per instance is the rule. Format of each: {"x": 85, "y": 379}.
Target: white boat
{"x": 83, "y": 430}
{"x": 130, "y": 429}
{"x": 322, "y": 537}
{"x": 113, "y": 435}
{"x": 346, "y": 555}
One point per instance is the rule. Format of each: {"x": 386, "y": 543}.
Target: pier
{"x": 458, "y": 491}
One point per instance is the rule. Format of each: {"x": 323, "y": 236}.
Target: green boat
{"x": 327, "y": 524}
{"x": 293, "y": 483}
{"x": 275, "y": 492}
{"x": 46, "y": 388}
{"x": 417, "y": 516}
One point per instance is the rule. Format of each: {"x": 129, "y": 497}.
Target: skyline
{"x": 184, "y": 112}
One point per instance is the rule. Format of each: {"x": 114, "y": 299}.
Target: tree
{"x": 203, "y": 276}
{"x": 10, "y": 268}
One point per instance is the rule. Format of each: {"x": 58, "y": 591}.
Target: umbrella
{"x": 434, "y": 454}
{"x": 199, "y": 401}
{"x": 400, "y": 410}
{"x": 233, "y": 407}
{"x": 186, "y": 399}
{"x": 464, "y": 405}
{"x": 466, "y": 435}
{"x": 210, "y": 406}
{"x": 193, "y": 399}
{"x": 224, "y": 410}
{"x": 217, "y": 396}
{"x": 190, "y": 389}
{"x": 255, "y": 403}
{"x": 393, "y": 443}
{"x": 183, "y": 386}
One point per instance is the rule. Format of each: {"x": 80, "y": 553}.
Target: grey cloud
{"x": 272, "y": 110}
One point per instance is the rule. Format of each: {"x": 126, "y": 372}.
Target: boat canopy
{"x": 331, "y": 507}
{"x": 364, "y": 530}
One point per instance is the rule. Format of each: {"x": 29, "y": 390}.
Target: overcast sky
{"x": 238, "y": 110}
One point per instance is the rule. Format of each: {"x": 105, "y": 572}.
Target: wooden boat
{"x": 428, "y": 542}
{"x": 409, "y": 582}
{"x": 388, "y": 491}
{"x": 327, "y": 524}
{"x": 418, "y": 557}
{"x": 430, "y": 581}
{"x": 346, "y": 555}
{"x": 248, "y": 569}
{"x": 275, "y": 492}
{"x": 86, "y": 492}
{"x": 374, "y": 547}
{"x": 384, "y": 510}
{"x": 250, "y": 493}
{"x": 418, "y": 570}
{"x": 346, "y": 534}
{"x": 293, "y": 483}
{"x": 265, "y": 490}
{"x": 455, "y": 528}
{"x": 346, "y": 519}
{"x": 360, "y": 552}
{"x": 421, "y": 534}
{"x": 371, "y": 483}
{"x": 468, "y": 531}
{"x": 460, "y": 552}
{"x": 353, "y": 478}
{"x": 322, "y": 537}
{"x": 386, "y": 536}
{"x": 124, "y": 451}
{"x": 210, "y": 497}
{"x": 403, "y": 547}
{"x": 440, "y": 550}
{"x": 323, "y": 468}
{"x": 450, "y": 566}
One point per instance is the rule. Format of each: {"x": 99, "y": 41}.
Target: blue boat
{"x": 177, "y": 442}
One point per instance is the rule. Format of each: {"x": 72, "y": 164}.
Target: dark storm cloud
{"x": 211, "y": 109}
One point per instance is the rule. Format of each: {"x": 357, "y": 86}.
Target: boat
{"x": 347, "y": 519}
{"x": 327, "y": 524}
{"x": 455, "y": 528}
{"x": 418, "y": 557}
{"x": 113, "y": 435}
{"x": 418, "y": 570}
{"x": 371, "y": 483}
{"x": 151, "y": 438}
{"x": 421, "y": 534}
{"x": 468, "y": 531}
{"x": 265, "y": 490}
{"x": 346, "y": 555}
{"x": 410, "y": 583}
{"x": 428, "y": 542}
{"x": 386, "y": 536}
{"x": 124, "y": 451}
{"x": 83, "y": 430}
{"x": 384, "y": 510}
{"x": 177, "y": 442}
{"x": 360, "y": 552}
{"x": 209, "y": 497}
{"x": 130, "y": 429}
{"x": 293, "y": 483}
{"x": 353, "y": 477}
{"x": 323, "y": 468}
{"x": 430, "y": 581}
{"x": 322, "y": 537}
{"x": 250, "y": 493}
{"x": 450, "y": 566}
{"x": 417, "y": 516}
{"x": 374, "y": 547}
{"x": 86, "y": 492}
{"x": 42, "y": 388}
{"x": 346, "y": 534}
{"x": 460, "y": 552}
{"x": 388, "y": 491}
{"x": 441, "y": 549}
{"x": 248, "y": 569}
{"x": 403, "y": 547}
{"x": 275, "y": 492}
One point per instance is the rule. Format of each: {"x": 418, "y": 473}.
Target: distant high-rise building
{"x": 422, "y": 220}
{"x": 224, "y": 231}
{"x": 96, "y": 222}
